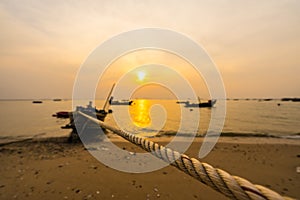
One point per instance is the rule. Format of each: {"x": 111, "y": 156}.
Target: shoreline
{"x": 60, "y": 170}
{"x": 291, "y": 139}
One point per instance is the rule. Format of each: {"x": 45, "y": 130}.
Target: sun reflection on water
{"x": 140, "y": 113}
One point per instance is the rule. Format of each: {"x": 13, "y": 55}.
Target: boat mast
{"x": 107, "y": 99}
{"x": 199, "y": 100}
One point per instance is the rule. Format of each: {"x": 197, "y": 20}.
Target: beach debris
{"x": 133, "y": 182}
{"x": 298, "y": 169}
{"x": 49, "y": 182}
{"x": 132, "y": 153}
{"x": 88, "y": 196}
{"x": 97, "y": 192}
{"x": 78, "y": 191}
{"x": 155, "y": 189}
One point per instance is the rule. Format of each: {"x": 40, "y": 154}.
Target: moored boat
{"x": 182, "y": 102}
{"x": 208, "y": 104}
{"x": 123, "y": 102}
{"x": 37, "y": 101}
{"x": 91, "y": 110}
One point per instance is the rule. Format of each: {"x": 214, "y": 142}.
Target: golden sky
{"x": 255, "y": 44}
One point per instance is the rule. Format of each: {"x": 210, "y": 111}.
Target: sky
{"x": 254, "y": 43}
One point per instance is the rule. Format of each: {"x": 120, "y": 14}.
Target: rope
{"x": 233, "y": 187}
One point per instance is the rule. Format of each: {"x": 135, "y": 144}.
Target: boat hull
{"x": 208, "y": 104}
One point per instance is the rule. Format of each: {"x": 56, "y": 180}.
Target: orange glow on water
{"x": 140, "y": 113}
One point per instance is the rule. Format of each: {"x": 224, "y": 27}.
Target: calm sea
{"x": 23, "y": 119}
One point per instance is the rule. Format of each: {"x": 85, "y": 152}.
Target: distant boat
{"x": 56, "y": 99}
{"x": 208, "y": 104}
{"x": 267, "y": 99}
{"x": 182, "y": 102}
{"x": 291, "y": 99}
{"x": 123, "y": 102}
{"x": 37, "y": 101}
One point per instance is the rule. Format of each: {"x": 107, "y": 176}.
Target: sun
{"x": 141, "y": 75}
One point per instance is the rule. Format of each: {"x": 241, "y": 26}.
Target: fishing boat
{"x": 37, "y": 101}
{"x": 123, "y": 102}
{"x": 89, "y": 110}
{"x": 182, "y": 102}
{"x": 208, "y": 104}
{"x": 291, "y": 99}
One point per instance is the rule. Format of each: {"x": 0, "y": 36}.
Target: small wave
{"x": 173, "y": 133}
{"x": 224, "y": 134}
{"x": 293, "y": 136}
{"x": 5, "y": 140}
{"x": 232, "y": 134}
{"x": 11, "y": 140}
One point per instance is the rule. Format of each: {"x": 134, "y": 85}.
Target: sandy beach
{"x": 60, "y": 170}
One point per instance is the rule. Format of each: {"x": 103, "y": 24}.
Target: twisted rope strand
{"x": 233, "y": 187}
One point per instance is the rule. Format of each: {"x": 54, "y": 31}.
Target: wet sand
{"x": 60, "y": 170}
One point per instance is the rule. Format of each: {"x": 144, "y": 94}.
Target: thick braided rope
{"x": 233, "y": 187}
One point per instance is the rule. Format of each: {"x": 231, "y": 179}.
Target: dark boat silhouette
{"x": 89, "y": 110}
{"x": 291, "y": 99}
{"x": 123, "y": 102}
{"x": 182, "y": 102}
{"x": 208, "y": 104}
{"x": 37, "y": 101}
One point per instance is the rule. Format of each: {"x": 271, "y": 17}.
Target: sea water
{"x": 151, "y": 118}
